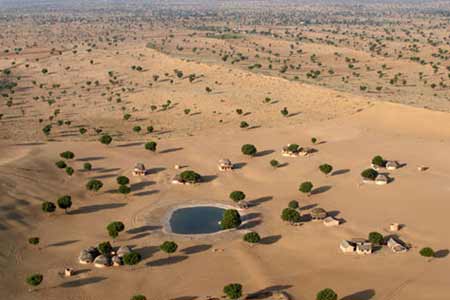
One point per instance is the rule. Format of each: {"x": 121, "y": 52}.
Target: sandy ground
{"x": 300, "y": 260}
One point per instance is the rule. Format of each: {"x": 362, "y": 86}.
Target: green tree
{"x": 293, "y": 204}
{"x": 106, "y": 139}
{"x": 376, "y": 238}
{"x": 87, "y": 166}
{"x": 33, "y": 240}
{"x": 369, "y": 174}
{"x": 306, "y": 187}
{"x": 243, "y": 124}
{"x": 48, "y": 207}
{"x": 124, "y": 189}
{"x": 150, "y": 129}
{"x": 114, "y": 228}
{"x": 378, "y": 161}
{"x": 35, "y": 279}
{"x": 233, "y": 290}
{"x": 67, "y": 155}
{"x": 137, "y": 129}
{"x": 69, "y": 170}
{"x": 169, "y": 247}
{"x": 122, "y": 180}
{"x": 326, "y": 294}
{"x": 274, "y": 163}
{"x": 252, "y": 237}
{"x": 427, "y": 252}
{"x": 326, "y": 169}
{"x": 284, "y": 112}
{"x": 94, "y": 185}
{"x": 237, "y": 196}
{"x": 64, "y": 202}
{"x": 61, "y": 164}
{"x": 248, "y": 149}
{"x": 138, "y": 297}
{"x": 290, "y": 215}
{"x": 230, "y": 219}
{"x": 151, "y": 146}
{"x": 105, "y": 248}
{"x": 131, "y": 258}
{"x": 190, "y": 176}
{"x": 313, "y": 140}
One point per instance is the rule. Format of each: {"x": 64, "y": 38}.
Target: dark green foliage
{"x": 106, "y": 139}
{"x": 114, "y": 228}
{"x": 124, "y": 189}
{"x": 87, "y": 166}
{"x": 33, "y": 240}
{"x": 190, "y": 176}
{"x": 67, "y": 154}
{"x": 48, "y": 206}
{"x": 150, "y": 129}
{"x": 376, "y": 238}
{"x": 239, "y": 111}
{"x": 274, "y": 163}
{"x": 47, "y": 129}
{"x": 427, "y": 252}
{"x": 83, "y": 130}
{"x": 168, "y": 247}
{"x": 378, "y": 161}
{"x": 306, "y": 187}
{"x": 69, "y": 171}
{"x": 243, "y": 124}
{"x": 370, "y": 174}
{"x": 326, "y": 169}
{"x": 137, "y": 129}
{"x": 326, "y": 294}
{"x": 233, "y": 290}
{"x": 313, "y": 140}
{"x": 126, "y": 116}
{"x": 122, "y": 180}
{"x": 248, "y": 149}
{"x": 230, "y": 219}
{"x": 290, "y": 215}
{"x": 294, "y": 148}
{"x": 65, "y": 202}
{"x": 35, "y": 279}
{"x": 131, "y": 258}
{"x": 237, "y": 196}
{"x": 151, "y": 146}
{"x": 61, "y": 164}
{"x": 293, "y": 204}
{"x": 138, "y": 297}
{"x": 105, "y": 248}
{"x": 284, "y": 112}
{"x": 252, "y": 237}
{"x": 94, "y": 185}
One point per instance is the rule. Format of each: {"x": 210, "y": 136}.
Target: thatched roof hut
{"x": 122, "y": 251}
{"x": 330, "y": 222}
{"x": 116, "y": 261}
{"x": 381, "y": 179}
{"x": 88, "y": 255}
{"x": 102, "y": 261}
{"x": 396, "y": 246}
{"x": 318, "y": 213}
{"x": 392, "y": 165}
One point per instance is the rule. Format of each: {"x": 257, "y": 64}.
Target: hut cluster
{"x": 358, "y": 246}
{"x": 294, "y": 150}
{"x": 320, "y": 214}
{"x": 93, "y": 255}
{"x": 139, "y": 170}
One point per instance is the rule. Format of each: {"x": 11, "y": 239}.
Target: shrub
{"x": 65, "y": 202}
{"x": 106, "y": 139}
{"x": 248, "y": 149}
{"x": 306, "y": 187}
{"x": 326, "y": 294}
{"x": 94, "y": 185}
{"x": 123, "y": 189}
{"x": 69, "y": 171}
{"x": 233, "y": 290}
{"x": 230, "y": 219}
{"x": 105, "y": 248}
{"x": 290, "y": 215}
{"x": 378, "y": 161}
{"x": 137, "y": 129}
{"x": 190, "y": 176}
{"x": 274, "y": 163}
{"x": 87, "y": 166}
{"x": 237, "y": 196}
{"x": 150, "y": 129}
{"x": 33, "y": 240}
{"x": 243, "y": 124}
{"x": 376, "y": 238}
{"x": 35, "y": 279}
{"x": 131, "y": 258}
{"x": 67, "y": 154}
{"x": 326, "y": 169}
{"x": 313, "y": 140}
{"x": 293, "y": 204}
{"x": 61, "y": 164}
{"x": 114, "y": 228}
{"x": 138, "y": 297}
{"x": 252, "y": 237}
{"x": 168, "y": 247}
{"x": 427, "y": 252}
{"x": 48, "y": 206}
{"x": 294, "y": 148}
{"x": 122, "y": 180}
{"x": 151, "y": 146}
{"x": 370, "y": 174}
{"x": 284, "y": 112}
{"x": 83, "y": 130}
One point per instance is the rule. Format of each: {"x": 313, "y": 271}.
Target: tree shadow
{"x": 103, "y": 176}
{"x": 268, "y": 292}
{"x": 82, "y": 282}
{"x": 264, "y": 153}
{"x": 166, "y": 261}
{"x": 250, "y": 216}
{"x": 260, "y": 200}
{"x": 141, "y": 185}
{"x": 254, "y": 127}
{"x": 208, "y": 178}
{"x": 340, "y": 172}
{"x": 441, "y": 253}
{"x": 196, "y": 249}
{"x": 154, "y": 170}
{"x": 283, "y": 165}
{"x": 294, "y": 114}
{"x": 268, "y": 240}
{"x": 91, "y": 158}
{"x": 240, "y": 165}
{"x": 147, "y": 251}
{"x": 81, "y": 271}
{"x": 321, "y": 189}
{"x": 142, "y": 229}
{"x": 96, "y": 207}
{"x": 103, "y": 170}
{"x": 362, "y": 295}
{"x": 170, "y": 150}
{"x": 130, "y": 144}
{"x": 309, "y": 206}
{"x": 250, "y": 224}
{"x": 185, "y": 298}
{"x": 63, "y": 243}
{"x": 146, "y": 193}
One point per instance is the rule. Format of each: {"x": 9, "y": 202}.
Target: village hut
{"x": 330, "y": 222}
{"x": 305, "y": 151}
{"x": 363, "y": 248}
{"x": 177, "y": 179}
{"x": 381, "y": 179}
{"x": 290, "y": 150}
{"x": 396, "y": 246}
{"x": 139, "y": 170}
{"x": 68, "y": 272}
{"x": 392, "y": 165}
{"x": 102, "y": 261}
{"x": 243, "y": 204}
{"x": 225, "y": 165}
{"x": 347, "y": 246}
{"x": 280, "y": 295}
{"x": 88, "y": 255}
{"x": 116, "y": 261}
{"x": 318, "y": 214}
{"x": 122, "y": 251}
{"x": 394, "y": 227}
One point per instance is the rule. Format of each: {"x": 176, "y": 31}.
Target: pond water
{"x": 196, "y": 220}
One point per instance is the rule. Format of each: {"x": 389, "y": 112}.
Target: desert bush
{"x": 274, "y": 163}
{"x": 138, "y": 297}
{"x": 35, "y": 279}
{"x": 326, "y": 169}
{"x": 376, "y": 238}
{"x": 94, "y": 185}
{"x": 293, "y": 204}
{"x": 105, "y": 248}
{"x": 122, "y": 180}
{"x": 67, "y": 155}
{"x": 87, "y": 166}
{"x": 427, "y": 252}
{"x": 378, "y": 161}
{"x": 190, "y": 176}
{"x": 106, "y": 139}
{"x": 124, "y": 189}
{"x": 64, "y": 202}
{"x": 61, "y": 164}
{"x": 169, "y": 247}
{"x": 151, "y": 146}
{"x": 69, "y": 171}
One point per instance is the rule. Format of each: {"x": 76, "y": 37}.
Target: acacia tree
{"x": 231, "y": 219}
{"x": 151, "y": 146}
{"x": 252, "y": 237}
{"x": 105, "y": 139}
{"x": 94, "y": 185}
{"x": 248, "y": 149}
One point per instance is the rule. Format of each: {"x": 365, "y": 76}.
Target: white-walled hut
{"x": 225, "y": 165}
{"x": 139, "y": 170}
{"x": 392, "y": 165}
{"x": 381, "y": 179}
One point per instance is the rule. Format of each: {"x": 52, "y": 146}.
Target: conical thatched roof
{"x": 85, "y": 257}
{"x": 318, "y": 213}
{"x": 139, "y": 166}
{"x": 116, "y": 260}
{"x": 225, "y": 162}
{"x": 102, "y": 261}
{"x": 123, "y": 250}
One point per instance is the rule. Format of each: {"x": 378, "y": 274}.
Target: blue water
{"x": 196, "y": 220}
